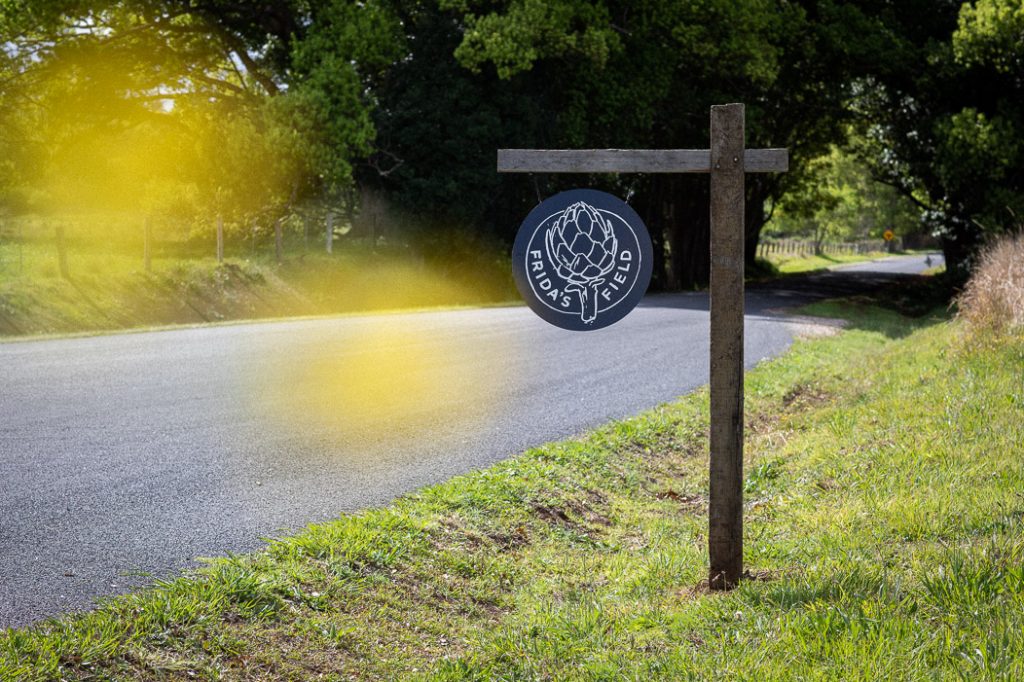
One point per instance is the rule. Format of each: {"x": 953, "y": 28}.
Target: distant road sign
{"x": 582, "y": 259}
{"x": 888, "y": 235}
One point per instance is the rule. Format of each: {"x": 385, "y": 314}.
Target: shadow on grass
{"x": 895, "y": 310}
{"x": 894, "y": 304}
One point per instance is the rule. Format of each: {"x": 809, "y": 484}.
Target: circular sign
{"x": 582, "y": 259}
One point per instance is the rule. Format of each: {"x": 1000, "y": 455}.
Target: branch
{"x": 218, "y": 83}
{"x": 268, "y": 83}
{"x": 375, "y": 165}
{"x": 902, "y": 190}
{"x": 234, "y": 67}
{"x": 238, "y": 48}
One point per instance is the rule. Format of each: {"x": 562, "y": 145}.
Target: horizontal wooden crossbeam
{"x": 632, "y": 160}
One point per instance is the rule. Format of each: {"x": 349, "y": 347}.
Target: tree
{"x": 618, "y": 74}
{"x": 112, "y": 99}
{"x": 843, "y": 203}
{"x": 221, "y": 101}
{"x": 944, "y": 107}
{"x": 438, "y": 125}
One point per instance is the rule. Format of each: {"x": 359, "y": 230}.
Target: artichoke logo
{"x": 581, "y": 246}
{"x": 582, "y": 259}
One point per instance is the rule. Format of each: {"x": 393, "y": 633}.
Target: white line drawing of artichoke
{"x": 581, "y": 246}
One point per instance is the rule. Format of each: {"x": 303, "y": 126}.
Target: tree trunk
{"x": 959, "y": 244}
{"x": 677, "y": 215}
{"x": 690, "y": 236}
{"x": 676, "y": 211}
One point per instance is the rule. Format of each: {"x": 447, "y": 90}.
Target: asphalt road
{"x": 125, "y": 457}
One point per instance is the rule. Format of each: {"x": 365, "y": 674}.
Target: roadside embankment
{"x": 106, "y": 292}
{"x": 884, "y": 538}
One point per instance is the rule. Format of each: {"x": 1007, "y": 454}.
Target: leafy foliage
{"x": 946, "y": 114}
{"x": 405, "y": 101}
{"x": 845, "y": 203}
{"x": 148, "y": 104}
{"x": 991, "y": 32}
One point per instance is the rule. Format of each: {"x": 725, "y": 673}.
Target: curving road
{"x": 124, "y": 457}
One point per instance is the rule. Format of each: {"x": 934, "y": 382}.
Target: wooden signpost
{"x": 727, "y": 161}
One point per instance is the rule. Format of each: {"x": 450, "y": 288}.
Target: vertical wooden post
{"x": 278, "y": 246}
{"x": 725, "y": 536}
{"x": 727, "y": 163}
{"x": 220, "y": 239}
{"x": 62, "y": 253}
{"x": 147, "y": 238}
{"x": 330, "y": 232}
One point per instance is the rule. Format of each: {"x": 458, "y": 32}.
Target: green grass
{"x": 884, "y": 539}
{"x": 110, "y": 290}
{"x": 791, "y": 264}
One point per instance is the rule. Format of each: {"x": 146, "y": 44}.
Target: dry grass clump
{"x": 994, "y": 296}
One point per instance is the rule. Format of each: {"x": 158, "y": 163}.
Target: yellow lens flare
{"x": 104, "y": 140}
{"x": 424, "y": 379}
{"x": 385, "y": 374}
{"x": 396, "y": 285}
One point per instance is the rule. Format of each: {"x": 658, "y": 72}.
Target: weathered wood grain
{"x": 631, "y": 161}
{"x": 725, "y": 511}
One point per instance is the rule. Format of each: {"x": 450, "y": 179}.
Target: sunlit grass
{"x": 884, "y": 527}
{"x": 109, "y": 287}
{"x": 789, "y": 264}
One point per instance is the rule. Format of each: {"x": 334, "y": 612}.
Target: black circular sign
{"x": 582, "y": 259}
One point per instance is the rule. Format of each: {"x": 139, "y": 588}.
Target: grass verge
{"x": 111, "y": 291}
{"x": 884, "y": 538}
{"x": 791, "y": 264}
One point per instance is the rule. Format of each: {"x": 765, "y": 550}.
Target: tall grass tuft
{"x": 994, "y": 296}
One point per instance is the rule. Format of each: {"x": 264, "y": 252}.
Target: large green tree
{"x": 602, "y": 73}
{"x": 935, "y": 87}
{"x": 943, "y": 103}
{"x": 239, "y": 105}
{"x": 410, "y": 98}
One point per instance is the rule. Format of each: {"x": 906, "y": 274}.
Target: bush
{"x": 994, "y": 295}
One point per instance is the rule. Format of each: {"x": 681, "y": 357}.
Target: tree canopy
{"x": 249, "y": 109}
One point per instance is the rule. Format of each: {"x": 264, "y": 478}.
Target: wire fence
{"x": 806, "y": 247}
{"x": 59, "y": 247}
{"x": 28, "y": 244}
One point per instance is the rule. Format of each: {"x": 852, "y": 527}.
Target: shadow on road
{"x": 912, "y": 296}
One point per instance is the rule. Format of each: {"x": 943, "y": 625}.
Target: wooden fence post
{"x": 147, "y": 238}
{"x": 62, "y": 253}
{"x": 330, "y": 232}
{"x": 220, "y": 239}
{"x": 278, "y": 246}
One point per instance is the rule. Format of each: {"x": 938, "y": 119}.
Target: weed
{"x": 994, "y": 295}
